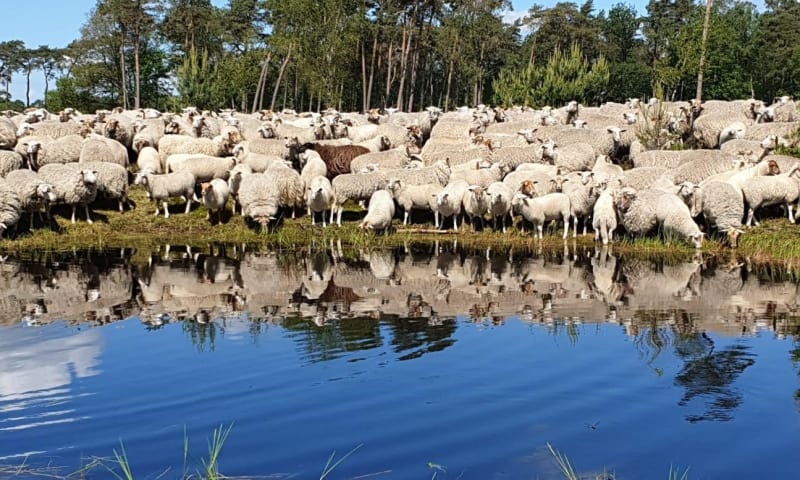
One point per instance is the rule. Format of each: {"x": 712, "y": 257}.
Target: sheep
{"x": 313, "y": 166}
{"x": 259, "y": 198}
{"x": 500, "y": 198}
{"x": 147, "y": 134}
{"x": 722, "y": 207}
{"x": 439, "y": 172}
{"x": 204, "y": 168}
{"x": 605, "y": 170}
{"x": 119, "y": 129}
{"x": 782, "y": 110}
{"x": 215, "y": 196}
{"x": 515, "y": 157}
{"x": 53, "y": 129}
{"x": 34, "y": 193}
{"x": 72, "y": 186}
{"x": 415, "y": 196}
{"x": 10, "y": 207}
{"x": 380, "y": 212}
{"x": 762, "y": 191}
{"x": 515, "y": 180}
{"x": 765, "y": 167}
{"x": 603, "y": 142}
{"x": 8, "y": 134}
{"x": 571, "y": 158}
{"x": 235, "y": 181}
{"x": 319, "y": 197}
{"x": 482, "y": 177}
{"x": 377, "y": 144}
{"x": 112, "y": 180}
{"x": 476, "y": 164}
{"x": 291, "y": 190}
{"x": 713, "y": 129}
{"x": 762, "y": 130}
{"x": 271, "y": 146}
{"x": 449, "y": 201}
{"x": 673, "y": 159}
{"x": 148, "y": 159}
{"x": 604, "y": 216}
{"x": 337, "y": 158}
{"x": 171, "y": 144}
{"x": 354, "y": 186}
{"x": 582, "y": 196}
{"x": 636, "y": 210}
{"x": 475, "y": 203}
{"x": 42, "y": 151}
{"x": 101, "y": 149}
{"x": 541, "y": 209}
{"x": 258, "y": 162}
{"x": 676, "y": 219}
{"x": 389, "y": 159}
{"x": 697, "y": 170}
{"x": 10, "y": 161}
{"x": 161, "y": 188}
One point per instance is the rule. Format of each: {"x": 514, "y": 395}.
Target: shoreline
{"x": 775, "y": 241}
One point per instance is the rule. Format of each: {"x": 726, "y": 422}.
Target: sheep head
{"x": 527, "y": 134}
{"x": 24, "y": 129}
{"x": 616, "y": 133}
{"x": 89, "y": 176}
{"x": 578, "y": 123}
{"x": 528, "y": 188}
{"x": 697, "y": 239}
{"x": 267, "y": 130}
{"x": 733, "y": 235}
{"x": 624, "y": 198}
{"x": 630, "y": 117}
{"x": 46, "y": 192}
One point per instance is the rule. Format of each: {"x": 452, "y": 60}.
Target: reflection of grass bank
{"x": 774, "y": 241}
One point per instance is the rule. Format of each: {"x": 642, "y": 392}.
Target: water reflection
{"x": 335, "y": 303}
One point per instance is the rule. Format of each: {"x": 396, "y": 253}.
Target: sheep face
{"x": 733, "y": 235}
{"x": 549, "y": 149}
{"x": 46, "y": 192}
{"x": 528, "y": 188}
{"x": 206, "y": 189}
{"x": 579, "y": 123}
{"x": 623, "y": 199}
{"x": 89, "y": 176}
{"x": 697, "y": 239}
{"x": 267, "y": 130}
{"x": 616, "y": 134}
{"x": 630, "y": 117}
{"x": 528, "y": 135}
{"x": 24, "y": 129}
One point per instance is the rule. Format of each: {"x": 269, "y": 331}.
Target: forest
{"x": 359, "y": 54}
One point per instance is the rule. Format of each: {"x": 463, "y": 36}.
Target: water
{"x": 462, "y": 364}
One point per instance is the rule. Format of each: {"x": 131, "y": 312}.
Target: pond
{"x": 429, "y": 362}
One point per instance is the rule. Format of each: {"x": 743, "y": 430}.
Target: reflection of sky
{"x": 29, "y": 364}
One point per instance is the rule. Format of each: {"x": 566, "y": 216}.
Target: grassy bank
{"x": 139, "y": 228}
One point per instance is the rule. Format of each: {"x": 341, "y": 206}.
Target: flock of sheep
{"x": 548, "y": 165}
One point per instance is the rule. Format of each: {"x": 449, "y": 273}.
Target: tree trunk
{"x": 46, "y": 89}
{"x": 449, "y": 82}
{"x": 703, "y": 45}
{"x": 389, "y": 78}
{"x": 363, "y": 78}
{"x": 262, "y": 83}
{"x": 413, "y": 79}
{"x": 28, "y": 87}
{"x": 122, "y": 71}
{"x": 136, "y": 78}
{"x": 280, "y": 77}
{"x": 371, "y": 72}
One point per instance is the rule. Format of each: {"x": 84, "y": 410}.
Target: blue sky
{"x": 58, "y": 22}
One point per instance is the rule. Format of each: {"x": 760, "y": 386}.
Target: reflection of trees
{"x": 414, "y": 337}
{"x": 708, "y": 375}
{"x": 333, "y": 339}
{"x": 202, "y": 334}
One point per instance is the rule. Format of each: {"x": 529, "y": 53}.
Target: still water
{"x": 462, "y": 364}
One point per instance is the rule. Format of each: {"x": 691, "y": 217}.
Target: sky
{"x": 59, "y": 21}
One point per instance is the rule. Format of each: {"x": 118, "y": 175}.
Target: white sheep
{"x": 500, "y": 198}
{"x": 538, "y": 210}
{"x": 34, "y": 193}
{"x": 722, "y": 206}
{"x": 475, "y": 203}
{"x": 259, "y": 198}
{"x": 319, "y": 197}
{"x": 763, "y": 191}
{"x": 161, "y": 188}
{"x": 482, "y": 177}
{"x": 204, "y": 168}
{"x": 112, "y": 180}
{"x": 235, "y": 181}
{"x": 409, "y": 197}
{"x": 380, "y": 212}
{"x": 72, "y": 186}
{"x": 355, "y": 187}
{"x": 604, "y": 216}
{"x": 570, "y": 158}
{"x": 448, "y": 201}
{"x": 215, "y": 196}
{"x": 149, "y": 159}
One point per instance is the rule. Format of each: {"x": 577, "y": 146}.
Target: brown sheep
{"x": 337, "y": 158}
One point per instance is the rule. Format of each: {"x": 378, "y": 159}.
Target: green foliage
{"x": 198, "y": 82}
{"x": 565, "y": 77}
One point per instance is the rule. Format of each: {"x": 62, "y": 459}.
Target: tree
{"x": 29, "y": 60}
{"x": 10, "y": 57}
{"x": 50, "y": 61}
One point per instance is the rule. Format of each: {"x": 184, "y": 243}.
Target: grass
{"x": 119, "y": 466}
{"x": 139, "y": 229}
{"x": 568, "y": 471}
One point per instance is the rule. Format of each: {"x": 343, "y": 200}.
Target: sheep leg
{"x": 610, "y": 235}
{"x": 405, "y": 216}
{"x": 323, "y": 219}
{"x": 166, "y": 209}
{"x": 750, "y": 215}
{"x": 503, "y": 222}
{"x": 188, "y": 206}
{"x": 73, "y": 214}
{"x": 540, "y": 230}
{"x": 121, "y": 207}
{"x": 436, "y": 219}
{"x": 566, "y": 228}
{"x": 31, "y": 222}
{"x": 455, "y": 222}
{"x": 585, "y": 225}
{"x": 88, "y": 215}
{"x": 791, "y": 214}
{"x": 574, "y": 227}
{"x": 339, "y": 215}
